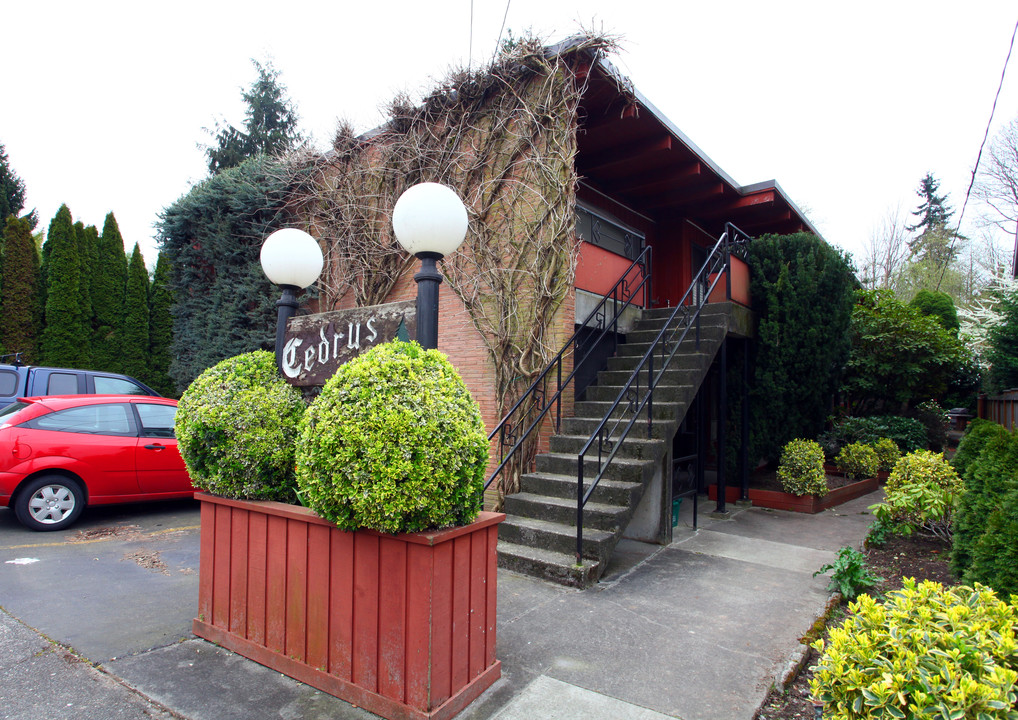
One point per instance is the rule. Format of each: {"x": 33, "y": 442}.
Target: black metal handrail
{"x": 536, "y": 400}
{"x": 683, "y": 318}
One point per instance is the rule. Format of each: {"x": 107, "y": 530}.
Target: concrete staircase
{"x": 538, "y": 536}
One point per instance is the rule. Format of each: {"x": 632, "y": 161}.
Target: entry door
{"x": 697, "y": 257}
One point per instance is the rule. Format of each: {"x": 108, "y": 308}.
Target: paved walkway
{"x": 697, "y": 630}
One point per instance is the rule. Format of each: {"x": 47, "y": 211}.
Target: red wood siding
{"x": 597, "y": 270}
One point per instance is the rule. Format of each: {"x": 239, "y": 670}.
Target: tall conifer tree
{"x": 134, "y": 331}
{"x": 108, "y": 285}
{"x": 161, "y": 328}
{"x": 63, "y": 337}
{"x": 83, "y": 239}
{"x": 19, "y": 267}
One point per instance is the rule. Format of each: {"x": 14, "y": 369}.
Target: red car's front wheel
{"x": 50, "y": 502}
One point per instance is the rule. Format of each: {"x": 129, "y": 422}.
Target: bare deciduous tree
{"x": 997, "y": 184}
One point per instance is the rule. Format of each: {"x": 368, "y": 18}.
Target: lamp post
{"x": 430, "y": 222}
{"x": 292, "y": 260}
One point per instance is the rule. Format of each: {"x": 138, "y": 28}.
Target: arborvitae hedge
{"x": 134, "y": 359}
{"x": 63, "y": 339}
{"x": 802, "y": 292}
{"x": 987, "y": 480}
{"x": 108, "y": 286}
{"x": 224, "y": 305}
{"x": 160, "y": 329}
{"x": 995, "y": 555}
{"x": 19, "y": 268}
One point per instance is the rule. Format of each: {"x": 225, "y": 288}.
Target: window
{"x": 8, "y": 383}
{"x": 156, "y": 420}
{"x": 62, "y": 384}
{"x": 117, "y": 386}
{"x": 90, "y": 419}
{"x": 15, "y": 407}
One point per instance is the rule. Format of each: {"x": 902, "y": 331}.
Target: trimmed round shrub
{"x": 236, "y": 427}
{"x": 926, "y": 651}
{"x": 801, "y": 468}
{"x": 395, "y": 443}
{"x": 857, "y": 460}
{"x": 921, "y": 492}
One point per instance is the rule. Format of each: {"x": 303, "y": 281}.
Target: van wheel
{"x": 50, "y": 502}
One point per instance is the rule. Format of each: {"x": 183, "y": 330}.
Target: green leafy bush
{"x": 858, "y": 460}
{"x": 394, "y": 442}
{"x": 921, "y": 493}
{"x": 801, "y": 468}
{"x": 236, "y": 426}
{"x": 849, "y": 574}
{"x": 907, "y": 433}
{"x": 989, "y": 477}
{"x": 924, "y": 652}
{"x": 887, "y": 453}
{"x": 934, "y": 419}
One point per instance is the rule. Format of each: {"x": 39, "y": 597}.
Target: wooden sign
{"x": 316, "y": 345}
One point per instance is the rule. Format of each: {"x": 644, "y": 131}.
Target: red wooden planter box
{"x": 401, "y": 625}
{"x": 778, "y": 500}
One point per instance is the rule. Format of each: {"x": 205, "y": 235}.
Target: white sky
{"x": 846, "y": 105}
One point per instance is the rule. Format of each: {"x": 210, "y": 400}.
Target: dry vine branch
{"x": 505, "y": 139}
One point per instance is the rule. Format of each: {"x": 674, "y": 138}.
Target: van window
{"x": 8, "y": 383}
{"x": 62, "y": 384}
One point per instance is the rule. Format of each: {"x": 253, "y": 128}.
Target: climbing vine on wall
{"x": 505, "y": 139}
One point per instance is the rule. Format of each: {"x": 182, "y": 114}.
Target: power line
{"x": 501, "y": 30}
{"x": 979, "y": 155}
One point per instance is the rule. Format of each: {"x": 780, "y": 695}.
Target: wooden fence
{"x": 1001, "y": 409}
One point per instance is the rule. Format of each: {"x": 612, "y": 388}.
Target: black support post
{"x": 428, "y": 279}
{"x": 722, "y": 418}
{"x": 744, "y": 446}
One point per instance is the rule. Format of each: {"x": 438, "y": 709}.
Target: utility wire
{"x": 979, "y": 155}
{"x": 501, "y": 30}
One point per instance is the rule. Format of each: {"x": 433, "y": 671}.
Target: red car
{"x": 62, "y": 452}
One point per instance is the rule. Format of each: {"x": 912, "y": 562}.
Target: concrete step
{"x": 596, "y": 409}
{"x": 609, "y": 492}
{"x": 646, "y": 335}
{"x": 671, "y": 376}
{"x": 557, "y": 537}
{"x": 639, "y": 448}
{"x": 722, "y": 309}
{"x": 557, "y": 567}
{"x": 623, "y": 469}
{"x": 563, "y": 510}
{"x": 662, "y": 393}
{"x": 662, "y": 428}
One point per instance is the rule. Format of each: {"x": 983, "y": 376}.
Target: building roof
{"x": 631, "y": 152}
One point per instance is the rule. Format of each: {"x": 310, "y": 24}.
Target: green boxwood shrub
{"x": 887, "y": 453}
{"x": 801, "y": 468}
{"x": 858, "y": 461}
{"x": 921, "y": 493}
{"x": 236, "y": 427}
{"x": 395, "y": 443}
{"x": 925, "y": 652}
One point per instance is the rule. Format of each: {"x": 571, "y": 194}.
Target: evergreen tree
{"x": 12, "y": 192}
{"x": 84, "y": 240}
{"x": 270, "y": 124}
{"x": 801, "y": 291}
{"x": 109, "y": 282}
{"x": 19, "y": 268}
{"x": 933, "y": 211}
{"x": 160, "y": 325}
{"x": 63, "y": 339}
{"x": 212, "y": 236}
{"x": 995, "y": 555}
{"x": 134, "y": 331}
{"x": 938, "y": 305}
{"x": 935, "y": 244}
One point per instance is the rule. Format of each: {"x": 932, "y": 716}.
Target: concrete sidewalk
{"x": 697, "y": 630}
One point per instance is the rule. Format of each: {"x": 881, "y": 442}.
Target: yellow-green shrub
{"x": 801, "y": 468}
{"x": 887, "y": 453}
{"x": 857, "y": 460}
{"x": 394, "y": 443}
{"x": 236, "y": 426}
{"x": 924, "y": 652}
{"x": 921, "y": 492}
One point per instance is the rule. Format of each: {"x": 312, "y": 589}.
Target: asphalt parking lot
{"x": 111, "y": 585}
